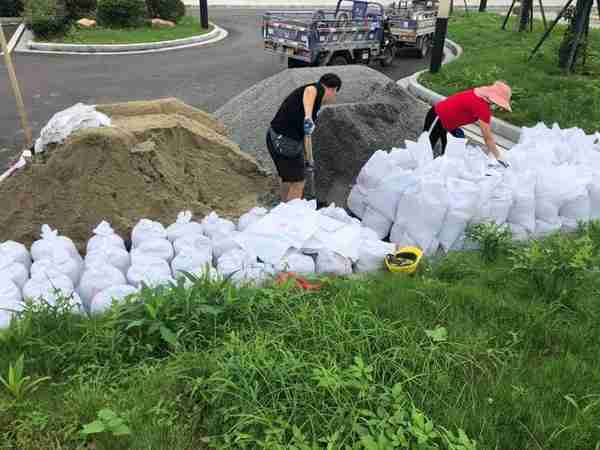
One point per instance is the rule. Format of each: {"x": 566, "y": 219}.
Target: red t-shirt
{"x": 463, "y": 109}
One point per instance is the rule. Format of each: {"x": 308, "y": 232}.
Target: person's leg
{"x": 296, "y": 190}
{"x": 458, "y": 133}
{"x": 429, "y": 118}
{"x": 438, "y": 133}
{"x": 285, "y": 190}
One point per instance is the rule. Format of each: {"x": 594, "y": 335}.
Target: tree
{"x": 574, "y": 42}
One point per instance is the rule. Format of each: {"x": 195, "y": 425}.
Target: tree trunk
{"x": 482, "y": 5}
{"x": 525, "y": 15}
{"x": 577, "y": 26}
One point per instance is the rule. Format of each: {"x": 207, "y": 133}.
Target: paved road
{"x": 205, "y": 77}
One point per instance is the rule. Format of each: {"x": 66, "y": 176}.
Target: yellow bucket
{"x": 405, "y": 260}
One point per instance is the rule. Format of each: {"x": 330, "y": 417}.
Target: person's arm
{"x": 309, "y": 98}
{"x": 488, "y": 137}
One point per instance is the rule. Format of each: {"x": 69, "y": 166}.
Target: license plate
{"x": 290, "y": 51}
{"x": 365, "y": 56}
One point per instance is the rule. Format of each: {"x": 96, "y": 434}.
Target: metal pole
{"x": 549, "y": 30}
{"x": 16, "y": 90}
{"x": 204, "y": 13}
{"x": 508, "y": 14}
{"x": 439, "y": 39}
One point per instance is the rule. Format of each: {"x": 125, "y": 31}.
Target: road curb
{"x": 216, "y": 35}
{"x": 500, "y": 127}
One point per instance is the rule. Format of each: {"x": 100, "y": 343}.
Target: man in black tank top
{"x": 296, "y": 118}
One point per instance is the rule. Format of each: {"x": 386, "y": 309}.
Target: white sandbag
{"x": 104, "y": 235}
{"x": 106, "y": 253}
{"x": 217, "y": 228}
{"x": 495, "y": 201}
{"x": 357, "y": 201}
{"x": 331, "y": 263}
{"x": 59, "y": 261}
{"x": 384, "y": 198}
{"x": 147, "y": 230}
{"x": 421, "y": 212}
{"x": 594, "y": 192}
{"x": 574, "y": 211}
{"x": 377, "y": 222}
{"x": 371, "y": 255}
{"x": 296, "y": 262}
{"x": 49, "y": 289}
{"x": 421, "y": 152}
{"x": 225, "y": 244}
{"x": 161, "y": 248}
{"x": 256, "y": 274}
{"x": 149, "y": 270}
{"x": 366, "y": 234}
{"x": 196, "y": 242}
{"x": 97, "y": 278}
{"x": 543, "y": 228}
{"x": 190, "y": 261}
{"x": 10, "y": 301}
{"x": 463, "y": 197}
{"x": 63, "y": 123}
{"x": 252, "y": 216}
{"x": 183, "y": 226}
{"x": 522, "y": 213}
{"x": 376, "y": 168}
{"x": 50, "y": 240}
{"x": 11, "y": 270}
{"x": 335, "y": 213}
{"x": 518, "y": 232}
{"x": 234, "y": 261}
{"x": 16, "y": 252}
{"x": 103, "y": 300}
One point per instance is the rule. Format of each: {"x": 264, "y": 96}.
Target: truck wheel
{"x": 338, "y": 60}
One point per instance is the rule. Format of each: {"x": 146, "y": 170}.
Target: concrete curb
{"x": 501, "y": 128}
{"x": 11, "y": 20}
{"x": 215, "y": 35}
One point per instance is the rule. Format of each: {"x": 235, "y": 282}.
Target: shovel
{"x": 310, "y": 166}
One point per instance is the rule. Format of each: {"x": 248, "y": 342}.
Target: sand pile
{"x": 157, "y": 159}
{"x": 371, "y": 113}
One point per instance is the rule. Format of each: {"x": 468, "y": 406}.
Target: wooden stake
{"x": 15, "y": 87}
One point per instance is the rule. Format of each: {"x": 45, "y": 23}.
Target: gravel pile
{"x": 371, "y": 113}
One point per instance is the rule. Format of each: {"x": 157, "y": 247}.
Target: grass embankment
{"x": 506, "y": 350}
{"x": 542, "y": 92}
{"x": 187, "y": 27}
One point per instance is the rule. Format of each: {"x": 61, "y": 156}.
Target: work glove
{"x": 503, "y": 163}
{"x": 309, "y": 127}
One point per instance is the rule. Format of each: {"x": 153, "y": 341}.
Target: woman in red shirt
{"x": 467, "y": 107}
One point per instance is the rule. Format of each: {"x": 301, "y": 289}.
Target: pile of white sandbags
{"x": 151, "y": 255}
{"x": 553, "y": 182}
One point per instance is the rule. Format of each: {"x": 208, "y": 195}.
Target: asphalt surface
{"x": 205, "y": 77}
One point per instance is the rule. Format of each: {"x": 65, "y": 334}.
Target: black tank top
{"x": 289, "y": 120}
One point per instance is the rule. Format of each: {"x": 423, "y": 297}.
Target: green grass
{"x": 489, "y": 347}
{"x": 542, "y": 92}
{"x": 187, "y": 27}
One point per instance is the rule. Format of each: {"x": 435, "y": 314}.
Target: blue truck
{"x": 356, "y": 32}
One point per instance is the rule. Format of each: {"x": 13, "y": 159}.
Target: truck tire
{"x": 339, "y": 60}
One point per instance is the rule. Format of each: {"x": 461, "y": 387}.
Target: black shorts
{"x": 289, "y": 170}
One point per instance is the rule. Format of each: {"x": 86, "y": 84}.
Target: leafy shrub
{"x": 555, "y": 265}
{"x": 492, "y": 239}
{"x": 77, "y": 9}
{"x": 172, "y": 10}
{"x": 46, "y": 18}
{"x": 121, "y": 13}
{"x": 11, "y": 8}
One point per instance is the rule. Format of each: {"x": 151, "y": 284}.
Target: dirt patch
{"x": 371, "y": 113}
{"x": 157, "y": 159}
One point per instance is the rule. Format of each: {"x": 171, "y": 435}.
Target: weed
{"x": 19, "y": 385}
{"x": 492, "y": 239}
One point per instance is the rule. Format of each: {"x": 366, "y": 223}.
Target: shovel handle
{"x": 308, "y": 152}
